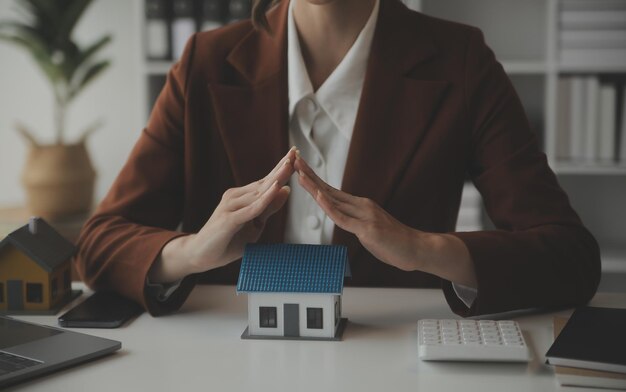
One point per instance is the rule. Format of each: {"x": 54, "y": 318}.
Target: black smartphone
{"x": 103, "y": 309}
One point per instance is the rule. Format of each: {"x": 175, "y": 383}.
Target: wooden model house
{"x": 34, "y": 268}
{"x": 294, "y": 291}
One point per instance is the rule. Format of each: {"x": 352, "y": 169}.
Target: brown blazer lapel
{"x": 394, "y": 112}
{"x": 252, "y": 112}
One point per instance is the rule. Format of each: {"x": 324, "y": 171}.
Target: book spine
{"x": 593, "y": 57}
{"x": 606, "y": 140}
{"x": 591, "y": 125}
{"x": 605, "y": 19}
{"x": 213, "y": 14}
{"x": 564, "y": 124}
{"x": 183, "y": 25}
{"x": 157, "y": 33}
{"x": 622, "y": 127}
{"x": 239, "y": 10}
{"x": 587, "y": 5}
{"x": 578, "y": 117}
{"x": 593, "y": 39}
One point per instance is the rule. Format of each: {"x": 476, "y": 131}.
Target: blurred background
{"x": 566, "y": 58}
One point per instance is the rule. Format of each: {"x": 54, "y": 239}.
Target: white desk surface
{"x": 199, "y": 348}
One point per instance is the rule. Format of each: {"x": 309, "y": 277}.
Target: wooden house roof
{"x": 46, "y": 247}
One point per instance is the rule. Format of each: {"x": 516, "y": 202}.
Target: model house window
{"x": 34, "y": 292}
{"x": 314, "y": 318}
{"x": 1, "y": 293}
{"x": 267, "y": 317}
{"x": 337, "y": 311}
{"x": 54, "y": 289}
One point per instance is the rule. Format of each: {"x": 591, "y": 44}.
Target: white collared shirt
{"x": 320, "y": 125}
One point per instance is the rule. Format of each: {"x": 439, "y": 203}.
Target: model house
{"x": 294, "y": 291}
{"x": 34, "y": 268}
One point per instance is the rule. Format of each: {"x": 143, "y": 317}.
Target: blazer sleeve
{"x": 541, "y": 255}
{"x": 143, "y": 208}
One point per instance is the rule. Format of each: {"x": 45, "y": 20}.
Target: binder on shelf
{"x": 183, "y": 25}
{"x": 591, "y": 126}
{"x": 622, "y": 127}
{"x": 607, "y": 123}
{"x": 157, "y": 33}
{"x": 238, "y": 10}
{"x": 564, "y": 114}
{"x": 578, "y": 118}
{"x": 593, "y": 57}
{"x": 592, "y": 19}
{"x": 213, "y": 14}
{"x": 587, "y": 5}
{"x": 599, "y": 39}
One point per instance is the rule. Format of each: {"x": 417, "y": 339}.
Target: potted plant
{"x": 59, "y": 177}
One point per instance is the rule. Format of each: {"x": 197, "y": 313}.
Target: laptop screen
{"x": 13, "y": 333}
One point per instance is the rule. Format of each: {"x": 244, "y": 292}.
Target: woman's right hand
{"x": 237, "y": 220}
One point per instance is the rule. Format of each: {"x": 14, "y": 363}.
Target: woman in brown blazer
{"x": 435, "y": 107}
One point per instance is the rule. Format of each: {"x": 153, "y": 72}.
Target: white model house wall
{"x": 304, "y": 300}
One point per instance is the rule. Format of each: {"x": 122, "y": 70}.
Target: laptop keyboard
{"x": 12, "y": 363}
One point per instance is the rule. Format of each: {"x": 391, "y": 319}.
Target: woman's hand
{"x": 237, "y": 220}
{"x": 380, "y": 233}
{"x": 385, "y": 237}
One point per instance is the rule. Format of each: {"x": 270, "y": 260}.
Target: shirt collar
{"x": 340, "y": 93}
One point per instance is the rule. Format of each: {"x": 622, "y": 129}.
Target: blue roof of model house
{"x": 293, "y": 268}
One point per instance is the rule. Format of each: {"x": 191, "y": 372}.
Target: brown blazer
{"x": 436, "y": 108}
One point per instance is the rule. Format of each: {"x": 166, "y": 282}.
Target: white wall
{"x": 116, "y": 97}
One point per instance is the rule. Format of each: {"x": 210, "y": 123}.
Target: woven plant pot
{"x": 59, "y": 180}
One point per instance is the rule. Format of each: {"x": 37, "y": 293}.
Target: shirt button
{"x": 311, "y": 104}
{"x": 312, "y": 222}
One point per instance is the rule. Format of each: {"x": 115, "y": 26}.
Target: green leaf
{"x": 70, "y": 16}
{"x": 89, "y": 51}
{"x": 92, "y": 72}
{"x": 39, "y": 53}
{"x": 83, "y": 56}
{"x": 19, "y": 28}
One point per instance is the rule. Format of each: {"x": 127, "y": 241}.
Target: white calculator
{"x": 471, "y": 340}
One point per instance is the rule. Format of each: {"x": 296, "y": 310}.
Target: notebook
{"x": 593, "y": 338}
{"x": 584, "y": 377}
{"x": 29, "y": 350}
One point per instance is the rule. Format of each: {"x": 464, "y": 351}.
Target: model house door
{"x": 15, "y": 294}
{"x": 292, "y": 319}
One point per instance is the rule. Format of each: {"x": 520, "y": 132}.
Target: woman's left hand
{"x": 380, "y": 233}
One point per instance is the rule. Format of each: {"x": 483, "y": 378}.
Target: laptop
{"x": 29, "y": 350}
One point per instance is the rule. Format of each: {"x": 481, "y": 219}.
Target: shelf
{"x": 525, "y": 67}
{"x": 583, "y": 68}
{"x": 613, "y": 259}
{"x": 154, "y": 67}
{"x": 589, "y": 168}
